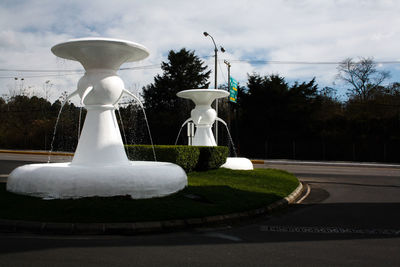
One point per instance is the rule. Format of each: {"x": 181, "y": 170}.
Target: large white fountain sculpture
{"x": 100, "y": 166}
{"x": 204, "y": 116}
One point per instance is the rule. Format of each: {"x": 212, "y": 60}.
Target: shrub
{"x": 211, "y": 157}
{"x": 184, "y": 156}
{"x": 199, "y": 158}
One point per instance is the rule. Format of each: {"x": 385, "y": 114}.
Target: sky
{"x": 253, "y": 33}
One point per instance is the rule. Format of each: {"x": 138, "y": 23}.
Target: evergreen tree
{"x": 273, "y": 111}
{"x": 166, "y": 112}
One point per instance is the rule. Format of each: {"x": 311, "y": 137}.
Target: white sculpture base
{"x": 238, "y": 164}
{"x": 203, "y": 136}
{"x": 138, "y": 179}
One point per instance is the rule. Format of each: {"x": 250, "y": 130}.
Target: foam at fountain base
{"x": 238, "y": 164}
{"x": 138, "y": 179}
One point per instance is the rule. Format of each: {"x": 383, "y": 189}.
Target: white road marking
{"x": 328, "y": 230}
{"x": 224, "y": 236}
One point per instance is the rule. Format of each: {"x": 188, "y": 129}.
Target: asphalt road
{"x": 350, "y": 218}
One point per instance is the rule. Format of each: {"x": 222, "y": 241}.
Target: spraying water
{"x": 229, "y": 136}
{"x": 148, "y": 129}
{"x": 177, "y": 137}
{"x": 123, "y": 131}
{"x": 179, "y": 133}
{"x": 145, "y": 118}
{"x": 55, "y": 130}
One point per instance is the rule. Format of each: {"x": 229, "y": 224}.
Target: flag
{"x": 233, "y": 90}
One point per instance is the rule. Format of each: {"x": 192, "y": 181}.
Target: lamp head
{"x": 205, "y": 34}
{"x": 222, "y": 50}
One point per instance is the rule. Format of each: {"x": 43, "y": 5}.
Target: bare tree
{"x": 19, "y": 88}
{"x": 362, "y": 76}
{"x": 63, "y": 97}
{"x": 47, "y": 90}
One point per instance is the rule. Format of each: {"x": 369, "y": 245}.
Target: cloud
{"x": 285, "y": 30}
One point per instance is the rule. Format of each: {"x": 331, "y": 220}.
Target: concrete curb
{"x": 46, "y": 153}
{"x": 324, "y": 163}
{"x": 254, "y": 161}
{"x": 15, "y": 226}
{"x": 257, "y": 161}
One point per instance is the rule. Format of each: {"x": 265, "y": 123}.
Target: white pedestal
{"x": 238, "y": 164}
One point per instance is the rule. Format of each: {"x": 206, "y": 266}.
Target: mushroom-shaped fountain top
{"x": 202, "y": 96}
{"x": 100, "y": 53}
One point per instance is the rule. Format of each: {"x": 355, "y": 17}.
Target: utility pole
{"x": 228, "y": 64}
{"x": 229, "y": 73}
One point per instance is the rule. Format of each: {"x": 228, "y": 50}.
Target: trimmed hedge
{"x": 211, "y": 157}
{"x": 188, "y": 157}
{"x": 184, "y": 156}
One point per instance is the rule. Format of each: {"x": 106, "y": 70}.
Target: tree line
{"x": 271, "y": 119}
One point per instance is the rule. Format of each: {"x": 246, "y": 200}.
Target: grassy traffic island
{"x": 213, "y": 192}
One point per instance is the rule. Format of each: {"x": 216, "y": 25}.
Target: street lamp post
{"x": 206, "y": 34}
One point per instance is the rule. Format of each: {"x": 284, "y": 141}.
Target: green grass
{"x": 214, "y": 192}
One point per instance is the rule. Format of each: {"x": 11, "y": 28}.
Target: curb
{"x": 15, "y": 226}
{"x": 325, "y": 163}
{"x": 45, "y": 153}
{"x": 254, "y": 161}
{"x": 257, "y": 161}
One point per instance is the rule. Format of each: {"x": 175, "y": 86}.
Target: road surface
{"x": 351, "y": 217}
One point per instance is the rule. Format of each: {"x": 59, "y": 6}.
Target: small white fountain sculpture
{"x": 100, "y": 166}
{"x": 204, "y": 116}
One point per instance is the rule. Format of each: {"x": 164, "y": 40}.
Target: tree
{"x": 393, "y": 89}
{"x": 47, "y": 90}
{"x": 273, "y": 111}
{"x": 184, "y": 70}
{"x": 363, "y": 77}
{"x": 29, "y": 123}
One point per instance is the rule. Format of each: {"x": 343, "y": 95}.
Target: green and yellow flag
{"x": 233, "y": 90}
